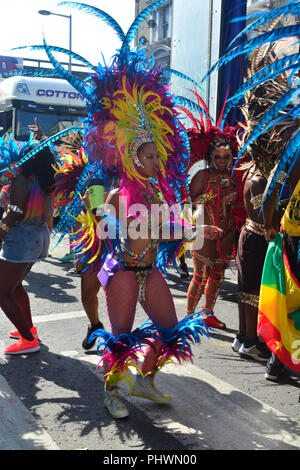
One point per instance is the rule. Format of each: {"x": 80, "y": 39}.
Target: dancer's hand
{"x": 270, "y": 233}
{"x": 210, "y": 231}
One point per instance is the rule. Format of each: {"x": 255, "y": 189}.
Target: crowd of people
{"x": 122, "y": 191}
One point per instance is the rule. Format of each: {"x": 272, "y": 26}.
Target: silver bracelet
{"x": 4, "y": 227}
{"x": 14, "y": 208}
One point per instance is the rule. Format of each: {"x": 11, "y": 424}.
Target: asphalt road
{"x": 54, "y": 398}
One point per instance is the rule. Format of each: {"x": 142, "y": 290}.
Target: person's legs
{"x": 250, "y": 262}
{"x": 159, "y": 306}
{"x": 21, "y": 296}
{"x": 12, "y": 275}
{"x": 198, "y": 282}
{"x": 121, "y": 299}
{"x": 212, "y": 289}
{"x": 274, "y": 368}
{"x": 240, "y": 337}
{"x": 90, "y": 286}
{"x": 213, "y": 285}
{"x": 241, "y": 267}
{"x": 252, "y": 347}
{"x": 183, "y": 268}
{"x": 251, "y": 321}
{"x": 215, "y": 279}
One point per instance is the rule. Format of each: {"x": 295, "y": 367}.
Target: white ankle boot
{"x": 145, "y": 388}
{"x": 114, "y": 404}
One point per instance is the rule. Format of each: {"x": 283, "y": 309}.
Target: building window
{"x": 165, "y": 18}
{"x": 160, "y": 23}
{"x": 153, "y": 26}
{"x": 162, "y": 57}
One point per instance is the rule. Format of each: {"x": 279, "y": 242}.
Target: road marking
{"x": 74, "y": 314}
{"x": 58, "y": 316}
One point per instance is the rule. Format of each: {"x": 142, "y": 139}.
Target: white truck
{"x": 54, "y": 102}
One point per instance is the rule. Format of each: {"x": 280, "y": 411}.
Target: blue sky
{"x": 22, "y": 25}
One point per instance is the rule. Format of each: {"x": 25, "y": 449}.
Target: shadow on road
{"x": 51, "y": 287}
{"x": 68, "y": 395}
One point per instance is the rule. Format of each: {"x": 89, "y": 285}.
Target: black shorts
{"x": 251, "y": 253}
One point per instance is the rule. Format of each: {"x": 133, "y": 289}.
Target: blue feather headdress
{"x": 13, "y": 154}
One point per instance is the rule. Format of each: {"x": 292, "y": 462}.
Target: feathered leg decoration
{"x": 177, "y": 340}
{"x": 121, "y": 353}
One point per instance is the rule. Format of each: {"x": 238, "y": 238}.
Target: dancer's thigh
{"x": 159, "y": 304}
{"x": 12, "y": 274}
{"x": 90, "y": 284}
{"x": 121, "y": 299}
{"x": 208, "y": 251}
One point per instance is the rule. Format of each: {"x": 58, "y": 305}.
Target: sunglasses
{"x": 224, "y": 157}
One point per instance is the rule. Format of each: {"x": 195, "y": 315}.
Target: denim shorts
{"x": 26, "y": 243}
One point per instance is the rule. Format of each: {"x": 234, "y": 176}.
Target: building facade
{"x": 155, "y": 33}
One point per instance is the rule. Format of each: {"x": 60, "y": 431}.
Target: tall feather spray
{"x": 277, "y": 123}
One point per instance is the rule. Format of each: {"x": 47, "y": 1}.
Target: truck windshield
{"x": 49, "y": 123}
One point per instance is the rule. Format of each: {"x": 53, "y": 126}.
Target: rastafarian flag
{"x": 279, "y": 306}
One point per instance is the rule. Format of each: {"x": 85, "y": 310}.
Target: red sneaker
{"x": 23, "y": 346}
{"x": 14, "y": 334}
{"x": 213, "y": 322}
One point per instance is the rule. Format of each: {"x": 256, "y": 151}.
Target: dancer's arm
{"x": 269, "y": 206}
{"x": 197, "y": 186}
{"x": 16, "y": 209}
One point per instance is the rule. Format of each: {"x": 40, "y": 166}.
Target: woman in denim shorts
{"x": 25, "y": 239}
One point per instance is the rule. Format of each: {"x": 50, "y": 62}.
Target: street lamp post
{"x": 46, "y": 13}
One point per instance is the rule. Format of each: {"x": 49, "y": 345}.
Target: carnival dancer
{"x": 131, "y": 275}
{"x": 214, "y": 193}
{"x": 252, "y": 248}
{"x": 24, "y": 231}
{"x": 138, "y": 279}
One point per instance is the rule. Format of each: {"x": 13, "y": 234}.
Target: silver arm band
{"x": 14, "y": 208}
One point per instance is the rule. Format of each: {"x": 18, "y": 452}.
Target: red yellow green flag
{"x": 279, "y": 306}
